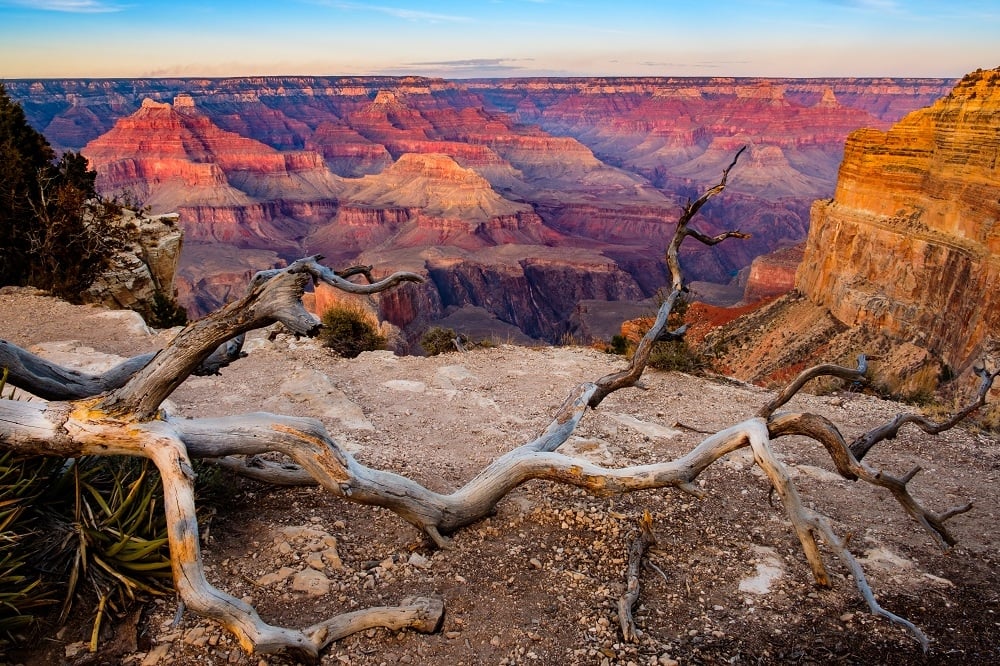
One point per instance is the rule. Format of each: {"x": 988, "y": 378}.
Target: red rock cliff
{"x": 910, "y": 243}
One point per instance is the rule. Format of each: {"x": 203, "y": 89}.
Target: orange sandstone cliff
{"x": 903, "y": 263}
{"x": 910, "y": 243}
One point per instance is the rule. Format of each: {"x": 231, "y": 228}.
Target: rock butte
{"x": 910, "y": 242}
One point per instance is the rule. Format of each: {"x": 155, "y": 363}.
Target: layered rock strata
{"x": 574, "y": 177}
{"x": 910, "y": 243}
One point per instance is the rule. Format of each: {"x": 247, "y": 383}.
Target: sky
{"x": 497, "y": 38}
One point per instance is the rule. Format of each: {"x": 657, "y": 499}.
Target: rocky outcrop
{"x": 773, "y": 274}
{"x": 910, "y": 243}
{"x": 144, "y": 271}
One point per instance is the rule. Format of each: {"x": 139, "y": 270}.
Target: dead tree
{"x": 119, "y": 413}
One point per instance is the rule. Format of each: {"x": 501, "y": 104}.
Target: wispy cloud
{"x": 466, "y": 68}
{"x": 396, "y": 12}
{"x": 71, "y": 6}
{"x": 471, "y": 62}
{"x": 703, "y": 64}
{"x": 869, "y": 5}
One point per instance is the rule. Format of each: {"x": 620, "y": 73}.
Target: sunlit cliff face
{"x": 910, "y": 243}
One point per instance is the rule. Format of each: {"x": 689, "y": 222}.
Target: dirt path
{"x": 538, "y": 582}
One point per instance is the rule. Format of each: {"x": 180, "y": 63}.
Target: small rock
{"x": 419, "y": 561}
{"x": 275, "y": 577}
{"x": 333, "y": 559}
{"x": 847, "y": 617}
{"x": 155, "y": 655}
{"x": 312, "y": 582}
{"x": 535, "y": 562}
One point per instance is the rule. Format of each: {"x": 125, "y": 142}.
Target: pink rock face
{"x": 773, "y": 274}
{"x": 910, "y": 242}
{"x": 565, "y": 175}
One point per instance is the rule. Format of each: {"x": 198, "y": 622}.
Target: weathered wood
{"x": 423, "y": 614}
{"x": 50, "y": 381}
{"x": 636, "y": 553}
{"x": 683, "y": 231}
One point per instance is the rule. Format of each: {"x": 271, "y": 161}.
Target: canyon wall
{"x": 910, "y": 243}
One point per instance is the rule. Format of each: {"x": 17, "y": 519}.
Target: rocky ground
{"x": 538, "y": 582}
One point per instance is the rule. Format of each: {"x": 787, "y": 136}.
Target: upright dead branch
{"x": 683, "y": 230}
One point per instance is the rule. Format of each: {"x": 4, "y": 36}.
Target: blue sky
{"x": 468, "y": 38}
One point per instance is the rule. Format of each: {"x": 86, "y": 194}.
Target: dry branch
{"x": 119, "y": 414}
{"x": 636, "y": 553}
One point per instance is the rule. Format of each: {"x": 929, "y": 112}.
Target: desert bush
{"x": 675, "y": 355}
{"x": 437, "y": 340}
{"x": 349, "y": 330}
{"x": 619, "y": 345}
{"x": 165, "y": 312}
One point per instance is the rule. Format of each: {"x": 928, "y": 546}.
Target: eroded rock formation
{"x": 143, "y": 271}
{"x": 910, "y": 243}
{"x": 903, "y": 262}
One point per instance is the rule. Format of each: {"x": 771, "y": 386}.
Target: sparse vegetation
{"x": 349, "y": 330}
{"x": 675, "y": 355}
{"x": 56, "y": 233}
{"x": 89, "y": 527}
{"x": 438, "y": 340}
{"x": 22, "y": 592}
{"x": 103, "y": 536}
{"x": 619, "y": 345}
{"x": 165, "y": 312}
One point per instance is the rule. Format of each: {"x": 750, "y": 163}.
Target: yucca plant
{"x": 22, "y": 591}
{"x": 105, "y": 534}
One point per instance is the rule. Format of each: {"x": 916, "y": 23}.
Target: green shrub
{"x": 104, "y": 534}
{"x": 437, "y": 340}
{"x": 165, "y": 312}
{"x": 674, "y": 355}
{"x": 22, "y": 591}
{"x": 349, "y": 330}
{"x": 90, "y": 528}
{"x": 619, "y": 345}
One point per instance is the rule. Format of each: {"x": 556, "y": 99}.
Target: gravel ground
{"x": 538, "y": 581}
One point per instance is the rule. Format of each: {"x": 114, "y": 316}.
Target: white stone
{"x": 312, "y": 582}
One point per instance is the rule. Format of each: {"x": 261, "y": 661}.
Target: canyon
{"x": 524, "y": 202}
